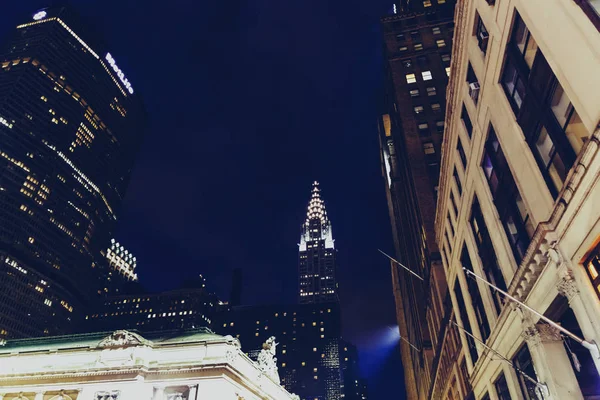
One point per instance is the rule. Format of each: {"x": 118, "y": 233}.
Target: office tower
{"x": 518, "y": 203}
{"x": 70, "y": 126}
{"x": 354, "y": 387}
{"x": 121, "y": 263}
{"x": 317, "y": 254}
{"x": 418, "y": 46}
{"x": 308, "y": 354}
{"x": 191, "y": 306}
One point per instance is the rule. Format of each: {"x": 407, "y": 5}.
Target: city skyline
{"x": 180, "y": 217}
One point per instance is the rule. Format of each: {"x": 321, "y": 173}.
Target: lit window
{"x": 283, "y": 364}
{"x": 428, "y": 148}
{"x": 431, "y": 91}
{"x": 447, "y": 71}
{"x": 402, "y": 48}
{"x": 418, "y": 46}
{"x": 411, "y": 78}
{"x": 418, "y": 109}
{"x": 446, "y": 58}
{"x": 414, "y": 93}
{"x": 427, "y": 75}
{"x": 427, "y": 3}
{"x": 436, "y": 107}
{"x": 314, "y": 349}
{"x": 440, "y": 43}
{"x": 303, "y": 363}
{"x": 436, "y": 30}
{"x": 423, "y": 129}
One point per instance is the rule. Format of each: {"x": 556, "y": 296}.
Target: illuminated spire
{"x": 316, "y": 206}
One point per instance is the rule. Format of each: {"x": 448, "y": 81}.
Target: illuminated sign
{"x": 120, "y": 73}
{"x": 4, "y": 122}
{"x": 39, "y": 15}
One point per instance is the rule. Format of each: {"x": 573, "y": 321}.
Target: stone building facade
{"x": 519, "y": 196}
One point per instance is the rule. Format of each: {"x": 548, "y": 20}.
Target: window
{"x": 507, "y": 198}
{"x": 523, "y": 40}
{"x": 423, "y": 129}
{"x": 440, "y": 43}
{"x": 457, "y": 180}
{"x": 446, "y": 58}
{"x": 422, "y": 61}
{"x": 418, "y": 109}
{"x": 502, "y": 388}
{"x": 447, "y": 71}
{"x": 473, "y": 84}
{"x": 461, "y": 153}
{"x": 436, "y": 30}
{"x": 473, "y": 287}
{"x": 431, "y": 91}
{"x": 450, "y": 224}
{"x": 439, "y": 125}
{"x": 414, "y": 93}
{"x": 592, "y": 266}
{"x": 481, "y": 33}
{"x": 407, "y": 63}
{"x": 467, "y": 121}
{"x": 513, "y": 85}
{"x": 418, "y": 46}
{"x": 487, "y": 253}
{"x": 400, "y": 37}
{"x": 441, "y": 1}
{"x": 427, "y": 3}
{"x": 402, "y": 49}
{"x": 411, "y": 78}
{"x": 415, "y": 35}
{"x": 522, "y": 360}
{"x": 428, "y": 148}
{"x": 568, "y": 119}
{"x": 464, "y": 320}
{"x": 436, "y": 107}
{"x": 427, "y": 75}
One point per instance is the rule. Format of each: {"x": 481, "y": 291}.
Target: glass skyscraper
{"x": 317, "y": 254}
{"x": 70, "y": 126}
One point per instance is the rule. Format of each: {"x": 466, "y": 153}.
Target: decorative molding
{"x": 123, "y": 338}
{"x": 567, "y": 286}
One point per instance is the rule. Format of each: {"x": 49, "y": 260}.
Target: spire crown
{"x": 316, "y": 206}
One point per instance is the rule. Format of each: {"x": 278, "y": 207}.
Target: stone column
{"x": 551, "y": 362}
{"x": 193, "y": 391}
{"x": 39, "y": 396}
{"x": 568, "y": 288}
{"x": 159, "y": 393}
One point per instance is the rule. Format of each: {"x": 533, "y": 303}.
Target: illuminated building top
{"x": 317, "y": 264}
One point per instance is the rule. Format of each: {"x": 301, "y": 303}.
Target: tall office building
{"x": 309, "y": 336}
{"x": 418, "y": 46}
{"x": 519, "y": 195}
{"x": 317, "y": 255}
{"x": 70, "y": 126}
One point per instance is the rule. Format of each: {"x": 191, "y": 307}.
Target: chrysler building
{"x": 317, "y": 254}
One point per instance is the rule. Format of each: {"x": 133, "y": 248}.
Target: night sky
{"x": 249, "y": 102}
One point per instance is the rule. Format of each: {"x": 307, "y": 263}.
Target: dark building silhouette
{"x": 191, "y": 306}
{"x": 70, "y": 126}
{"x": 418, "y": 45}
{"x": 354, "y": 387}
{"x": 308, "y": 355}
{"x": 317, "y": 254}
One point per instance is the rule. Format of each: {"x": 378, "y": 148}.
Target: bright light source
{"x": 39, "y": 15}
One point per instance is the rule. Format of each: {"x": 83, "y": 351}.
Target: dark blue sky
{"x": 249, "y": 101}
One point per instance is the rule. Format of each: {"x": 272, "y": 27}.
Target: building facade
{"x": 190, "y": 365}
{"x": 418, "y": 39}
{"x": 309, "y": 337}
{"x": 70, "y": 126}
{"x": 519, "y": 194}
{"x": 189, "y": 307}
{"x": 317, "y": 266}
{"x": 121, "y": 263}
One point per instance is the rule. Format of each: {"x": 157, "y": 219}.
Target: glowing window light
{"x": 39, "y": 15}
{"x": 5, "y": 122}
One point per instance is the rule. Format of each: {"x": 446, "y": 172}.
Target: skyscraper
{"x": 70, "y": 126}
{"x": 317, "y": 254}
{"x": 418, "y": 45}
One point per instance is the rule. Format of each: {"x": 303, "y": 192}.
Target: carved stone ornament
{"x": 531, "y": 336}
{"x": 112, "y": 395}
{"x": 231, "y": 356}
{"x": 122, "y": 338}
{"x": 267, "y": 362}
{"x": 567, "y": 287}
